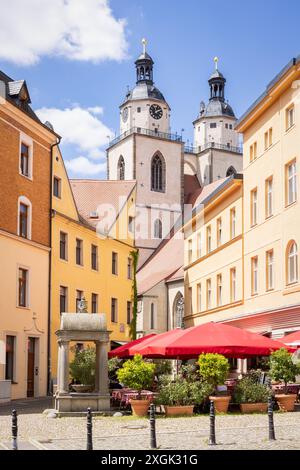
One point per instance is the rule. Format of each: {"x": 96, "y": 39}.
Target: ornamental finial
{"x": 216, "y": 61}
{"x": 144, "y": 42}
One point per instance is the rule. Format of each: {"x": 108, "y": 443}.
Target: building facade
{"x": 270, "y": 230}
{"x": 88, "y": 261}
{"x": 26, "y": 147}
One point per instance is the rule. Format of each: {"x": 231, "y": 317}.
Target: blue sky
{"x": 253, "y": 40}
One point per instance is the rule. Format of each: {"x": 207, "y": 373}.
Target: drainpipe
{"x": 49, "y": 391}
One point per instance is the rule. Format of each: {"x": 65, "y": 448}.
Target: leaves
{"x": 213, "y": 368}
{"x": 248, "y": 390}
{"x": 83, "y": 366}
{"x": 282, "y": 367}
{"x": 137, "y": 374}
{"x": 181, "y": 392}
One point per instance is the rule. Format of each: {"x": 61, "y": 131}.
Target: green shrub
{"x": 162, "y": 367}
{"x": 83, "y": 366}
{"x": 182, "y": 393}
{"x": 282, "y": 367}
{"x": 213, "y": 369}
{"x": 248, "y": 390}
{"x": 137, "y": 374}
{"x": 113, "y": 365}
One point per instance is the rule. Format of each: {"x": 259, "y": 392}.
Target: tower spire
{"x": 216, "y": 61}
{"x": 144, "y": 42}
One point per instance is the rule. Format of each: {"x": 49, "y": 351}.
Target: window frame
{"x": 26, "y": 293}
{"x": 270, "y": 284}
{"x": 232, "y": 223}
{"x": 59, "y": 185}
{"x": 294, "y": 177}
{"x": 233, "y": 290}
{"x": 254, "y": 205}
{"x": 14, "y": 359}
{"x": 269, "y": 197}
{"x": 289, "y": 280}
{"x": 254, "y": 276}
{"x": 23, "y": 200}
{"x": 94, "y": 258}
{"x": 28, "y": 142}
{"x": 114, "y": 263}
{"x": 65, "y": 297}
{"x": 208, "y": 294}
{"x": 80, "y": 248}
{"x": 288, "y": 123}
{"x": 94, "y": 302}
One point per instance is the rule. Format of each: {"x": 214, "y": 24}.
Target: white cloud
{"x": 82, "y": 166}
{"x": 79, "y": 127}
{"x": 76, "y": 29}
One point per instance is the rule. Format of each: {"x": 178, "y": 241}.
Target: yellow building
{"x": 92, "y": 241}
{"x": 271, "y": 211}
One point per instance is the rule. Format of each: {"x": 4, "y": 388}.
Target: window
{"x": 129, "y": 268}
{"x": 291, "y": 182}
{"x": 269, "y": 197}
{"x": 190, "y": 300}
{"x": 114, "y": 263}
{"x": 199, "y": 297}
{"x": 63, "y": 293}
{"x": 79, "y": 296}
{"x": 253, "y": 198}
{"x": 129, "y": 315}
{"x": 79, "y": 257}
{"x": 232, "y": 223}
{"x": 10, "y": 355}
{"x": 23, "y": 216}
{"x": 57, "y": 187}
{"x": 25, "y": 160}
{"x": 253, "y": 151}
{"x": 268, "y": 138}
{"x": 152, "y": 317}
{"x": 131, "y": 224}
{"x": 270, "y": 269}
{"x": 208, "y": 239}
{"x": 213, "y": 125}
{"x": 121, "y": 168}
{"x": 94, "y": 257}
{"x": 208, "y": 294}
{"x": 292, "y": 263}
{"x": 219, "y": 232}
{"x": 158, "y": 229}
{"x": 230, "y": 126}
{"x": 190, "y": 251}
{"x": 254, "y": 275}
{"x": 138, "y": 109}
{"x": 23, "y": 288}
{"x": 94, "y": 303}
{"x": 199, "y": 245}
{"x": 114, "y": 310}
{"x": 226, "y": 126}
{"x": 290, "y": 117}
{"x": 63, "y": 246}
{"x": 219, "y": 290}
{"x": 233, "y": 285}
{"x": 158, "y": 174}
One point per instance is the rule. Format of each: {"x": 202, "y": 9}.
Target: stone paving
{"x": 233, "y": 431}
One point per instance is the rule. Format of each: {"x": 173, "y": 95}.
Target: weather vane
{"x": 144, "y": 42}
{"x": 216, "y": 61}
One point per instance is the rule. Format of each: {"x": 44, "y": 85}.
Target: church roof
{"x": 217, "y": 107}
{"x": 145, "y": 90}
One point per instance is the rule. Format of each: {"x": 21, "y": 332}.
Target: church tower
{"x": 147, "y": 151}
{"x": 216, "y": 151}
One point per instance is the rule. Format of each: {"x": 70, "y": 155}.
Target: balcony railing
{"x": 140, "y": 130}
{"x": 213, "y": 145}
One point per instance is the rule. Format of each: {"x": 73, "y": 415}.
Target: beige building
{"x": 270, "y": 290}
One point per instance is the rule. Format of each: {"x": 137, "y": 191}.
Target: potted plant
{"x": 82, "y": 370}
{"x": 283, "y": 369}
{"x": 179, "y": 397}
{"x": 138, "y": 375}
{"x": 251, "y": 395}
{"x": 213, "y": 369}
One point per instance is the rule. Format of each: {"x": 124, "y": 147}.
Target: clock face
{"x": 155, "y": 111}
{"x": 125, "y": 114}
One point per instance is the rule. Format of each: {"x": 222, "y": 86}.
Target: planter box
{"x": 179, "y": 410}
{"x": 139, "y": 407}
{"x": 286, "y": 402}
{"x": 221, "y": 403}
{"x": 254, "y": 407}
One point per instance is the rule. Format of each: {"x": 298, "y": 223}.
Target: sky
{"x": 77, "y": 57}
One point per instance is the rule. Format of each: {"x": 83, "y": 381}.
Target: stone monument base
{"x": 80, "y": 402}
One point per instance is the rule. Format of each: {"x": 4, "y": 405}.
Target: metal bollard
{"x": 153, "y": 444}
{"x": 89, "y": 426}
{"x": 14, "y": 429}
{"x": 212, "y": 425}
{"x": 271, "y": 419}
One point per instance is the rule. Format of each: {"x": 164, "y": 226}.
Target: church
{"x": 170, "y": 178}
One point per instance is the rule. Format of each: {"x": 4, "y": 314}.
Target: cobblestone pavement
{"x": 233, "y": 431}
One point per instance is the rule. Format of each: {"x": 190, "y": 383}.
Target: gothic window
{"x": 178, "y": 311}
{"x": 121, "y": 168}
{"x": 231, "y": 171}
{"x": 158, "y": 172}
{"x": 158, "y": 229}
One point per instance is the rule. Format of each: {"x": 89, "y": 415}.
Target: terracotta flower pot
{"x": 286, "y": 402}
{"x": 221, "y": 403}
{"x": 254, "y": 407}
{"x": 179, "y": 410}
{"x": 139, "y": 407}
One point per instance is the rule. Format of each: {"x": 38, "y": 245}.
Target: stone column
{"x": 63, "y": 367}
{"x": 101, "y": 379}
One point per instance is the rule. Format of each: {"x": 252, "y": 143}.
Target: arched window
{"x": 178, "y": 311}
{"x": 158, "y": 229}
{"x": 231, "y": 171}
{"x": 121, "y": 168}
{"x": 292, "y": 262}
{"x": 158, "y": 172}
{"x": 24, "y": 217}
{"x": 152, "y": 317}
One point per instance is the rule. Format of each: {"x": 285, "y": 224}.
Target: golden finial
{"x": 216, "y": 61}
{"x": 144, "y": 42}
